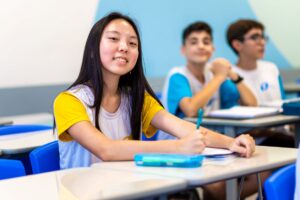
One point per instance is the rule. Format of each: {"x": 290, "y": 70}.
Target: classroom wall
{"x": 42, "y": 41}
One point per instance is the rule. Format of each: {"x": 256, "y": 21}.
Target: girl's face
{"x": 118, "y": 47}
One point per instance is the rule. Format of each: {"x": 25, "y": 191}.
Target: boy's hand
{"x": 220, "y": 67}
{"x": 243, "y": 145}
{"x": 193, "y": 143}
{"x": 233, "y": 75}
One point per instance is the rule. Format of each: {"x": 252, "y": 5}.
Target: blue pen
{"x": 200, "y": 116}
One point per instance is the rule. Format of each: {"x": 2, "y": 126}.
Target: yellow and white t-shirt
{"x": 74, "y": 105}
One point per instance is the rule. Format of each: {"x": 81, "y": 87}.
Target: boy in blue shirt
{"x": 196, "y": 85}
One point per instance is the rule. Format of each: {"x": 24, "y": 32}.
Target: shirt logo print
{"x": 264, "y": 86}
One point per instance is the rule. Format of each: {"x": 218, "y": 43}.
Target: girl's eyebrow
{"x": 112, "y": 32}
{"x": 117, "y": 32}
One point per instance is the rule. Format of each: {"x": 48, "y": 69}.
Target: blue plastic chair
{"x": 23, "y": 128}
{"x": 14, "y": 129}
{"x": 281, "y": 184}
{"x": 11, "y": 169}
{"x": 45, "y": 158}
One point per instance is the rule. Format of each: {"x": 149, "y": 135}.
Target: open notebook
{"x": 243, "y": 112}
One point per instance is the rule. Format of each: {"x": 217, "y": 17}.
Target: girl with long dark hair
{"x": 104, "y": 112}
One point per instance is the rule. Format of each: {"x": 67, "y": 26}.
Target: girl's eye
{"x": 133, "y": 44}
{"x": 113, "y": 38}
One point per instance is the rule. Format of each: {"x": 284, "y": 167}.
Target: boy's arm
{"x": 190, "y": 106}
{"x": 246, "y": 95}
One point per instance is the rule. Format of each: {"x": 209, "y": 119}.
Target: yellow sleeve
{"x": 68, "y": 110}
{"x": 150, "y": 108}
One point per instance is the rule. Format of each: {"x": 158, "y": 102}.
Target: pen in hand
{"x": 199, "y": 120}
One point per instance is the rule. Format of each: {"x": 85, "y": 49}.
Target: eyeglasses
{"x": 257, "y": 38}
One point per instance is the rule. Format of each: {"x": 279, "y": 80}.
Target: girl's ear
{"x": 237, "y": 45}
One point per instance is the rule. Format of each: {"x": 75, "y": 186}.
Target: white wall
{"x": 42, "y": 41}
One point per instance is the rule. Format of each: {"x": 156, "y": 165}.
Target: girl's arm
{"x": 169, "y": 123}
{"x": 111, "y": 150}
{"x": 247, "y": 96}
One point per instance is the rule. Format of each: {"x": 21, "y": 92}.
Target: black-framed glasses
{"x": 257, "y": 37}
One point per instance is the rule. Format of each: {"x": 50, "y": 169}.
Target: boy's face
{"x": 198, "y": 48}
{"x": 253, "y": 45}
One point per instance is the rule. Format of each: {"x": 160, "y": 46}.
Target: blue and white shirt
{"x": 181, "y": 83}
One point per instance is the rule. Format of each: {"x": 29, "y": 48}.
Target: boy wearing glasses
{"x": 247, "y": 39}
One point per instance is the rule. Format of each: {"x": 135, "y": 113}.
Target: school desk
{"x": 264, "y": 158}
{"x": 292, "y": 88}
{"x": 24, "y": 142}
{"x": 36, "y": 118}
{"x": 4, "y": 122}
{"x": 233, "y": 127}
{"x": 89, "y": 183}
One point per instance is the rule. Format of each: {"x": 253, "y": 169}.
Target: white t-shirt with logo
{"x": 263, "y": 81}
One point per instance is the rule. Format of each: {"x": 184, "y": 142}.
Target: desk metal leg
{"x": 231, "y": 189}
{"x": 297, "y": 134}
{"x": 260, "y": 193}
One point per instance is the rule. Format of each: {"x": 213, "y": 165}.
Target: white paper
{"x": 244, "y": 112}
{"x": 208, "y": 151}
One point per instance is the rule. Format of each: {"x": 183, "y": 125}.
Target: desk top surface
{"x": 273, "y": 120}
{"x": 291, "y": 87}
{"x": 24, "y": 142}
{"x": 88, "y": 183}
{"x": 36, "y": 118}
{"x": 5, "y": 122}
{"x": 264, "y": 158}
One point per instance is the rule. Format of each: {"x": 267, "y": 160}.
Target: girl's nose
{"x": 123, "y": 46}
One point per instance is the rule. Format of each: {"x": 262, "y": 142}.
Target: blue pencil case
{"x": 168, "y": 160}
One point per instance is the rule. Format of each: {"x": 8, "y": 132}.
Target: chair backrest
{"x": 23, "y": 128}
{"x": 45, "y": 158}
{"x": 281, "y": 184}
{"x": 11, "y": 169}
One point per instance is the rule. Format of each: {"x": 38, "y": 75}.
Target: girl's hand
{"x": 193, "y": 143}
{"x": 243, "y": 145}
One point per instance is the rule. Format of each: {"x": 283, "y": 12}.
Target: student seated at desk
{"x": 103, "y": 113}
{"x": 247, "y": 39}
{"x": 196, "y": 85}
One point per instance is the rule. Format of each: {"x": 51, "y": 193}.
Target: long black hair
{"x": 133, "y": 84}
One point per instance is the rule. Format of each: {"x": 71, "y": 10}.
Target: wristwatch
{"x": 238, "y": 80}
